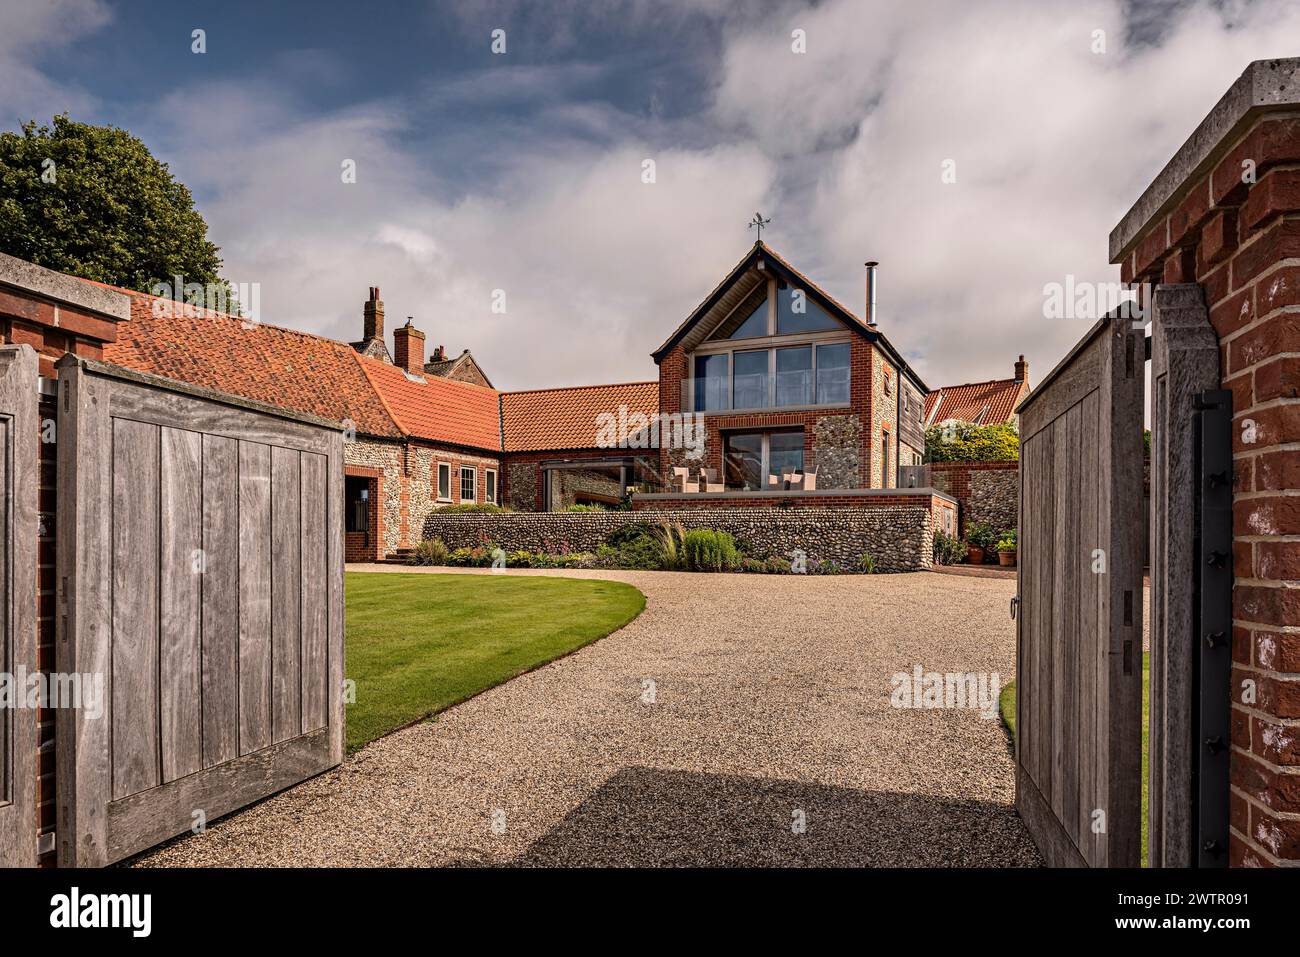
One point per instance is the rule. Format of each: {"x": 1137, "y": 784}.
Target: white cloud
{"x": 523, "y": 178}
{"x": 32, "y": 37}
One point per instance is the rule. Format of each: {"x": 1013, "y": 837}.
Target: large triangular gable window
{"x": 748, "y": 321}
{"x": 797, "y": 313}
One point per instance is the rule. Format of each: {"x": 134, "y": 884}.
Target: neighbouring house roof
{"x": 983, "y": 403}
{"x": 463, "y": 367}
{"x": 784, "y": 270}
{"x": 545, "y": 419}
{"x": 436, "y": 409}
{"x": 279, "y": 366}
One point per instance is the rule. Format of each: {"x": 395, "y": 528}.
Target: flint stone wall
{"x": 899, "y": 537}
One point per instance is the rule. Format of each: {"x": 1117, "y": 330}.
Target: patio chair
{"x": 774, "y": 483}
{"x": 792, "y": 480}
{"x": 810, "y": 480}
{"x": 681, "y": 479}
{"x": 709, "y": 479}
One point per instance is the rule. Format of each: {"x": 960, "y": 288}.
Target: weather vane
{"x": 758, "y": 222}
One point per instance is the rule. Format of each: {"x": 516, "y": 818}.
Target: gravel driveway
{"x": 771, "y": 710}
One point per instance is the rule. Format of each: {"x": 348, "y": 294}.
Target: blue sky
{"x": 522, "y": 171}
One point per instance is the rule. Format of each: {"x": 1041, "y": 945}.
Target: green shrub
{"x": 1007, "y": 543}
{"x": 947, "y": 550}
{"x": 867, "y": 564}
{"x": 708, "y": 550}
{"x": 672, "y": 549}
{"x": 430, "y": 552}
{"x": 586, "y": 508}
{"x": 629, "y": 532}
{"x": 470, "y": 507}
{"x": 979, "y": 535}
{"x": 778, "y": 565}
{"x": 826, "y": 566}
{"x": 964, "y": 442}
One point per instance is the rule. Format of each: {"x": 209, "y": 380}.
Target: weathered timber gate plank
{"x": 19, "y": 464}
{"x": 1079, "y": 658}
{"x": 201, "y": 571}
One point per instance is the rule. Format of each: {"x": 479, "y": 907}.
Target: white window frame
{"x": 474, "y": 472}
{"x": 438, "y": 489}
{"x": 490, "y": 499}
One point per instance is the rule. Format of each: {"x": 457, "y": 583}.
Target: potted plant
{"x": 1007, "y": 548}
{"x": 979, "y": 539}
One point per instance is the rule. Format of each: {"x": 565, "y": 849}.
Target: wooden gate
{"x": 18, "y": 510}
{"x": 1079, "y": 657}
{"x": 200, "y": 560}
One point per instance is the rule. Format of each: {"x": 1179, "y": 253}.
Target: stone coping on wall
{"x": 1265, "y": 85}
{"x": 776, "y": 497}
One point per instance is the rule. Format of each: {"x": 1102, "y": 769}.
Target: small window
{"x": 468, "y": 481}
{"x": 490, "y": 486}
{"x": 357, "y": 493}
{"x": 444, "y": 482}
{"x": 889, "y": 388}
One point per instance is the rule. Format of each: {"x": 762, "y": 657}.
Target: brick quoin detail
{"x": 1246, "y": 239}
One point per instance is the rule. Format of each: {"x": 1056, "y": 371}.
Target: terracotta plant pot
{"x": 1007, "y": 559}
{"x": 974, "y": 555}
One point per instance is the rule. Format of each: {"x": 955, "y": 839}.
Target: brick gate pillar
{"x": 1225, "y": 213}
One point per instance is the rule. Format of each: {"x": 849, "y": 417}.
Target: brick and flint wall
{"x": 899, "y": 535}
{"x": 404, "y": 492}
{"x": 846, "y": 444}
{"x": 988, "y": 492}
{"x": 1225, "y": 214}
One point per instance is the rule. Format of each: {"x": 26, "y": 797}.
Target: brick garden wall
{"x": 899, "y": 536}
{"x": 1241, "y": 242}
{"x": 988, "y": 492}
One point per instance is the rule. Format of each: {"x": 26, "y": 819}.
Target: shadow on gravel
{"x": 654, "y": 818}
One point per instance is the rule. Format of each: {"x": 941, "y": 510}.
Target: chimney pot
{"x": 408, "y": 348}
{"x": 372, "y": 326}
{"x": 871, "y": 292}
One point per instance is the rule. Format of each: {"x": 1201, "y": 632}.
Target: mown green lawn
{"x": 417, "y": 644}
{"x": 1007, "y": 705}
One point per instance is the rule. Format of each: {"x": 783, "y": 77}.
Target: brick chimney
{"x": 373, "y": 327}
{"x": 408, "y": 348}
{"x": 1022, "y": 370}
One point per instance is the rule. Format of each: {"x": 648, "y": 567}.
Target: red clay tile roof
{"x": 544, "y": 419}
{"x": 258, "y": 361}
{"x": 982, "y": 402}
{"x": 437, "y": 409}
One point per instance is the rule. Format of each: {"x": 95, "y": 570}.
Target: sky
{"x": 980, "y": 151}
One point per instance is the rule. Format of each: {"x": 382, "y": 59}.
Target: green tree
{"x": 963, "y": 442}
{"x": 92, "y": 201}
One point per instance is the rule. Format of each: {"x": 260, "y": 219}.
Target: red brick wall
{"x": 954, "y": 478}
{"x": 674, "y": 368}
{"x": 52, "y": 330}
{"x": 1241, "y": 242}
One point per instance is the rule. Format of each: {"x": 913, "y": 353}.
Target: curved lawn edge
{"x": 420, "y": 643}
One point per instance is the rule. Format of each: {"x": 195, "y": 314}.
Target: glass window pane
{"x": 750, "y": 380}
{"x": 785, "y": 453}
{"x": 711, "y": 385}
{"x": 794, "y": 376}
{"x": 833, "y": 373}
{"x": 796, "y": 312}
{"x": 743, "y": 460}
{"x": 467, "y": 492}
{"x": 754, "y": 325}
{"x": 444, "y": 481}
{"x": 490, "y": 494}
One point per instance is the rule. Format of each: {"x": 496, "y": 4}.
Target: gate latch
{"x": 1015, "y": 602}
